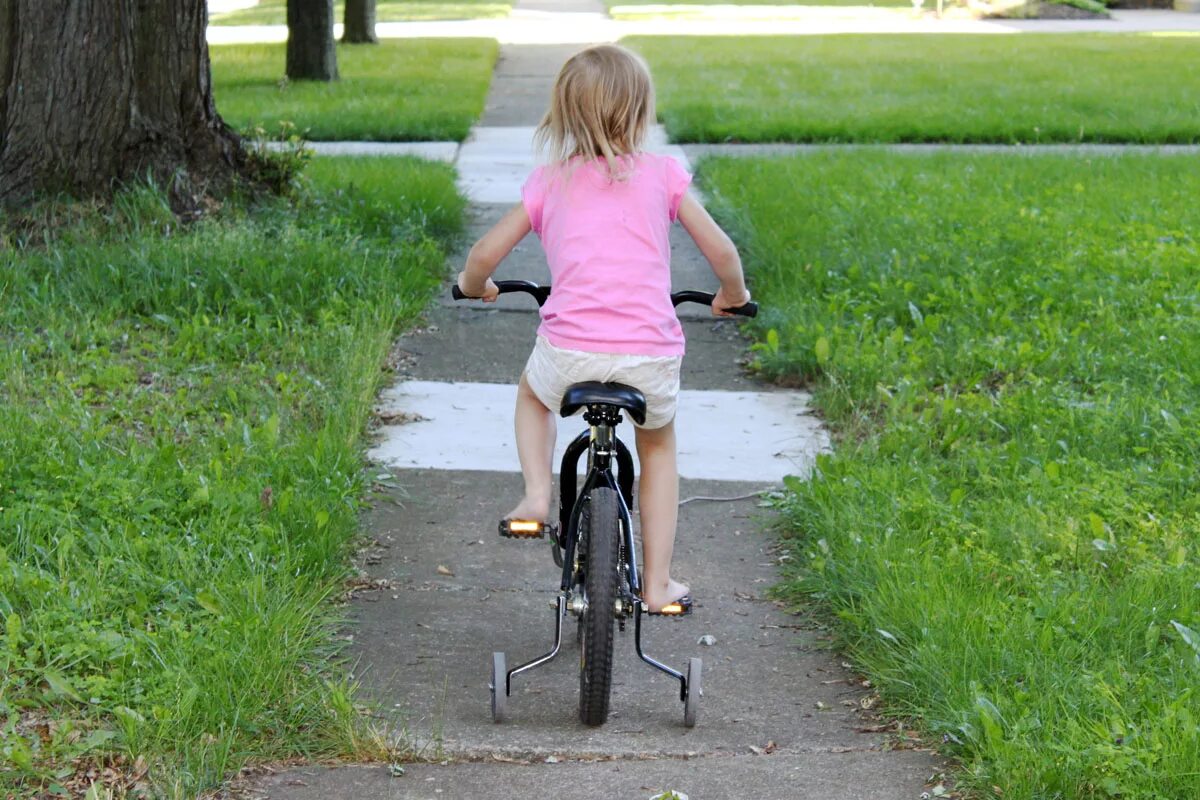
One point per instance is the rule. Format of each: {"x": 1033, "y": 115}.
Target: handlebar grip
{"x": 539, "y": 293}
{"x": 748, "y": 310}
{"x": 706, "y": 298}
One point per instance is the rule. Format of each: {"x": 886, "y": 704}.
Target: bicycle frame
{"x": 601, "y": 444}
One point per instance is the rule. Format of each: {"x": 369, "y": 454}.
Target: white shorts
{"x": 551, "y": 370}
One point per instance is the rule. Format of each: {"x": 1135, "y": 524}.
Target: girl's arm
{"x": 721, "y": 253}
{"x": 476, "y": 278}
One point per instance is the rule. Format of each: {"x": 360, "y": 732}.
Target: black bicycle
{"x": 592, "y": 541}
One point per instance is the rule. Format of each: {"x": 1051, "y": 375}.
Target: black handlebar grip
{"x": 706, "y": 298}
{"x": 539, "y": 293}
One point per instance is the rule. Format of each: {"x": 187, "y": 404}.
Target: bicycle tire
{"x": 499, "y": 687}
{"x": 603, "y": 532}
{"x": 691, "y": 704}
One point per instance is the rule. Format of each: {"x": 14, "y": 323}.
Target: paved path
{"x": 782, "y": 717}
{"x": 531, "y": 25}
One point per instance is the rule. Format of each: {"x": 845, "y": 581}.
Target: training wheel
{"x": 499, "y": 686}
{"x": 691, "y": 704}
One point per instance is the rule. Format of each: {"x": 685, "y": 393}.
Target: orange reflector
{"x": 672, "y": 608}
{"x": 524, "y": 526}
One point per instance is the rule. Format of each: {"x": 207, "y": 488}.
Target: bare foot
{"x": 656, "y": 597}
{"x": 530, "y": 508}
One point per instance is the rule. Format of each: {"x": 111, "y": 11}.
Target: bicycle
{"x": 593, "y": 542}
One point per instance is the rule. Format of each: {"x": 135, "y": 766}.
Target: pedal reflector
{"x": 671, "y": 609}
{"x": 522, "y": 528}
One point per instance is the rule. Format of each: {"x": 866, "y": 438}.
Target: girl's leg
{"x": 536, "y": 430}
{"x": 659, "y": 505}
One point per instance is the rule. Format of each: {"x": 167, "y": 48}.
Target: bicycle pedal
{"x": 679, "y": 608}
{"x": 526, "y": 529}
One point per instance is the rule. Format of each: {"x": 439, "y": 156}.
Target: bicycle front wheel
{"x": 601, "y": 525}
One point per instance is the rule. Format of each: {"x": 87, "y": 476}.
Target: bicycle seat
{"x": 612, "y": 394}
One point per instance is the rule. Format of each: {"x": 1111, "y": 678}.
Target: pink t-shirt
{"x": 610, "y": 257}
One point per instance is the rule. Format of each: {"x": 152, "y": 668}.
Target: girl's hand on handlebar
{"x": 488, "y": 294}
{"x": 722, "y": 301}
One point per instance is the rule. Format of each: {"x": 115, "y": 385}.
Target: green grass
{"x": 1007, "y": 534}
{"x": 274, "y": 12}
{"x": 181, "y": 420}
{"x": 398, "y": 90}
{"x": 923, "y": 88}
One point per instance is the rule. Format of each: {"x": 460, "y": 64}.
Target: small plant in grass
{"x": 276, "y": 161}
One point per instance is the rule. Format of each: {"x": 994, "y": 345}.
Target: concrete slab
{"x": 559, "y": 6}
{"x": 450, "y": 592}
{"x": 851, "y": 775}
{"x": 521, "y": 83}
{"x": 546, "y": 27}
{"x": 455, "y": 591}
{"x": 730, "y": 436}
{"x": 486, "y": 344}
{"x": 433, "y": 151}
{"x": 493, "y": 163}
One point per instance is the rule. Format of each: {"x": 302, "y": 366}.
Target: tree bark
{"x": 359, "y": 22}
{"x": 310, "y": 51}
{"x": 8, "y": 35}
{"x": 95, "y": 92}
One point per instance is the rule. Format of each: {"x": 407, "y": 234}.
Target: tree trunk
{"x": 94, "y": 92}
{"x": 359, "y": 22}
{"x": 310, "y": 52}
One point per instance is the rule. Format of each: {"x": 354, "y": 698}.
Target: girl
{"x": 602, "y": 208}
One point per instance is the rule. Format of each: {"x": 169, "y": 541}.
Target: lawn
{"x": 181, "y": 422}
{"x": 397, "y": 90}
{"x": 925, "y": 88}
{"x": 274, "y": 12}
{"x": 1008, "y": 349}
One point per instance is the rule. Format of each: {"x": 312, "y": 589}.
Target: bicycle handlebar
{"x": 541, "y": 293}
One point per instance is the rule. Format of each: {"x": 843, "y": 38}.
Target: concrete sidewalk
{"x": 512, "y": 151}
{"x": 540, "y": 26}
{"x": 781, "y": 716}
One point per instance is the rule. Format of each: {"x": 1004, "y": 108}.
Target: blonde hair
{"x": 602, "y": 106}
